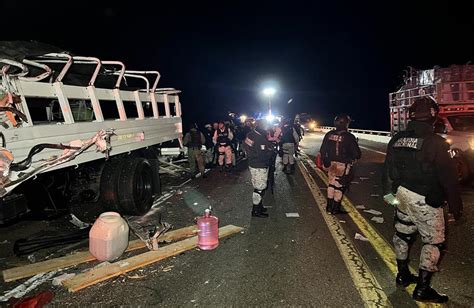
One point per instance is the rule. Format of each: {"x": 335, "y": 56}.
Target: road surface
{"x": 311, "y": 260}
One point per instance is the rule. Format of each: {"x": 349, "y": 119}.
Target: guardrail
{"x": 373, "y": 135}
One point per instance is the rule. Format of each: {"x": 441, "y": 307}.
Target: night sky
{"x": 329, "y": 56}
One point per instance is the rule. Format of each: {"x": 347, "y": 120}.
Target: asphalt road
{"x": 278, "y": 261}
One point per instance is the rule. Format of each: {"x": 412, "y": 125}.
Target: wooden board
{"x": 29, "y": 270}
{"x": 97, "y": 275}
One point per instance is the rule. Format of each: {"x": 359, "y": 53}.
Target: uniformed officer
{"x": 194, "y": 140}
{"x": 338, "y": 151}
{"x": 420, "y": 173}
{"x": 289, "y": 137}
{"x": 223, "y": 139}
{"x": 259, "y": 152}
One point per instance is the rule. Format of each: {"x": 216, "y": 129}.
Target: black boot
{"x": 292, "y": 168}
{"x": 424, "y": 292}
{"x": 329, "y": 205}
{"x": 337, "y": 209}
{"x": 256, "y": 212}
{"x": 404, "y": 277}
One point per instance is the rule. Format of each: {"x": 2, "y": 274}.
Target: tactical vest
{"x": 195, "y": 139}
{"x": 410, "y": 171}
{"x": 223, "y": 137}
{"x": 336, "y": 140}
{"x": 287, "y": 134}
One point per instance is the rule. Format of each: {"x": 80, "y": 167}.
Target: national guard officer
{"x": 338, "y": 151}
{"x": 259, "y": 152}
{"x": 419, "y": 176}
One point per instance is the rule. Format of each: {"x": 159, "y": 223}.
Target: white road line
{"x": 372, "y": 150}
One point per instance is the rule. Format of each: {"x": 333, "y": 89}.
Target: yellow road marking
{"x": 381, "y": 246}
{"x": 369, "y": 289}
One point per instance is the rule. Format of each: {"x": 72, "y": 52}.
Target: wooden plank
{"x": 97, "y": 275}
{"x": 29, "y": 270}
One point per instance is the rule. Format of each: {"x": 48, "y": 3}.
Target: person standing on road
{"x": 194, "y": 140}
{"x": 338, "y": 151}
{"x": 259, "y": 153}
{"x": 289, "y": 137}
{"x": 419, "y": 176}
{"x": 209, "y": 133}
{"x": 223, "y": 138}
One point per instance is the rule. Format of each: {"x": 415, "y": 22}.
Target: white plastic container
{"x": 108, "y": 237}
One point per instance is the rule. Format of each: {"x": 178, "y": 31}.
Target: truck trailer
{"x": 80, "y": 128}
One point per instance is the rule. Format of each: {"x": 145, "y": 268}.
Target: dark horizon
{"x": 329, "y": 58}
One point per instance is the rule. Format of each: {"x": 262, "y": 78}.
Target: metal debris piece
{"x": 58, "y": 280}
{"x": 27, "y": 286}
{"x": 292, "y": 215}
{"x": 360, "y": 207}
{"x": 378, "y": 220}
{"x": 78, "y": 223}
{"x": 360, "y": 237}
{"x": 373, "y": 212}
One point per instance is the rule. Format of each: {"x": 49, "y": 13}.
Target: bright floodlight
{"x": 270, "y": 117}
{"x": 269, "y": 91}
{"x": 243, "y": 118}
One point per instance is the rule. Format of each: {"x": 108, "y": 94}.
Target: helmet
{"x": 342, "y": 121}
{"x": 423, "y": 109}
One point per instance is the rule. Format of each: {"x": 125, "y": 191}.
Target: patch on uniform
{"x": 336, "y": 138}
{"x": 249, "y": 142}
{"x": 412, "y": 143}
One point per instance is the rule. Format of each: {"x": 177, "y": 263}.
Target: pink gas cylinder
{"x": 108, "y": 237}
{"x": 208, "y": 234}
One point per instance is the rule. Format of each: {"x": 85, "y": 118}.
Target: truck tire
{"x": 463, "y": 169}
{"x": 135, "y": 186}
{"x": 108, "y": 184}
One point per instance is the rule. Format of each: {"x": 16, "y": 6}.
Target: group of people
{"x": 223, "y": 145}
{"x": 419, "y": 177}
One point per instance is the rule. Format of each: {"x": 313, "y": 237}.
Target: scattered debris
{"x": 39, "y": 300}
{"x": 363, "y": 178}
{"x": 360, "y": 207}
{"x": 179, "y": 192}
{"x": 4, "y": 242}
{"x": 372, "y": 172}
{"x": 342, "y": 221}
{"x": 168, "y": 268}
{"x": 373, "y": 212}
{"x": 375, "y": 195}
{"x": 292, "y": 215}
{"x": 193, "y": 301}
{"x": 354, "y": 182}
{"x": 102, "y": 264}
{"x": 360, "y": 237}
{"x": 58, "y": 280}
{"x": 78, "y": 223}
{"x": 378, "y": 220}
{"x": 276, "y": 246}
{"x": 31, "y": 258}
{"x": 27, "y": 286}
{"x": 136, "y": 276}
{"x": 195, "y": 203}
{"x": 206, "y": 282}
